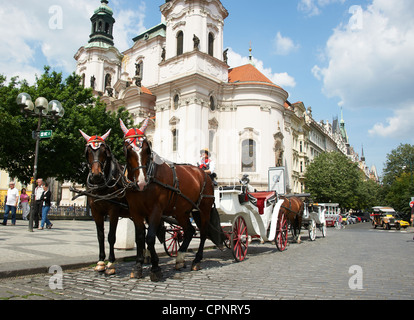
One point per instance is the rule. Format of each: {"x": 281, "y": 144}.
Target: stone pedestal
{"x": 125, "y": 234}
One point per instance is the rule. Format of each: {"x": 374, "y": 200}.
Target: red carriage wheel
{"x": 282, "y": 233}
{"x": 239, "y": 239}
{"x": 173, "y": 239}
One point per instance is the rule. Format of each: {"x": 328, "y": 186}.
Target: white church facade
{"x": 177, "y": 74}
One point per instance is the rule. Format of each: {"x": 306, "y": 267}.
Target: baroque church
{"x": 177, "y": 74}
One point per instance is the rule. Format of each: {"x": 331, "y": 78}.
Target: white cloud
{"x": 399, "y": 126}
{"x": 32, "y": 32}
{"x": 370, "y": 60}
{"x": 284, "y": 45}
{"x": 314, "y": 7}
{"x": 281, "y": 79}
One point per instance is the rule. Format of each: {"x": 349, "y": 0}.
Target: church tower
{"x": 99, "y": 62}
{"x": 102, "y": 24}
{"x": 192, "y": 69}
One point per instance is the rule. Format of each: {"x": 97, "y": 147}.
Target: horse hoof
{"x": 180, "y": 265}
{"x": 136, "y": 274}
{"x": 100, "y": 267}
{"x": 110, "y": 269}
{"x": 196, "y": 267}
{"x": 156, "y": 276}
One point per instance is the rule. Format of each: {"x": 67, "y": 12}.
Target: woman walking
{"x": 46, "y": 207}
{"x": 24, "y": 200}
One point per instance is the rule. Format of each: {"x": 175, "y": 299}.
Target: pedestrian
{"x": 11, "y": 203}
{"x": 24, "y": 201}
{"x": 46, "y": 195}
{"x": 207, "y": 164}
{"x": 37, "y": 212}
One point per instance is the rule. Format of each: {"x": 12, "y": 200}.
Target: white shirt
{"x": 12, "y": 196}
{"x": 38, "y": 192}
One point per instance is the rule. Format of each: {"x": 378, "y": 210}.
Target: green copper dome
{"x": 102, "y": 25}
{"x": 104, "y": 9}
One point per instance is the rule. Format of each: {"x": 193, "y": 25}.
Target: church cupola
{"x": 102, "y": 24}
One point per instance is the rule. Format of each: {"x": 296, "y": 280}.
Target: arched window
{"x": 248, "y": 155}
{"x": 175, "y": 140}
{"x": 180, "y": 43}
{"x": 211, "y": 44}
{"x": 212, "y": 104}
{"x": 176, "y": 101}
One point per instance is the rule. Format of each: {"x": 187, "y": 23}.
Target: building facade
{"x": 177, "y": 74}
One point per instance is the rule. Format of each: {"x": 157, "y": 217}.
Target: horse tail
{"x": 215, "y": 232}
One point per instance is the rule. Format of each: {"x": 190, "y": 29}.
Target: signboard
{"x": 412, "y": 204}
{"x": 276, "y": 180}
{"x": 45, "y": 134}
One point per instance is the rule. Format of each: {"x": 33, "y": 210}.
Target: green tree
{"x": 62, "y": 156}
{"x": 398, "y": 178}
{"x": 332, "y": 177}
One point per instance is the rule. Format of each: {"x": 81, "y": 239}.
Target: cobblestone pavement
{"x": 354, "y": 263}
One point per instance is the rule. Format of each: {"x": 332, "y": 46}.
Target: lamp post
{"x": 41, "y": 109}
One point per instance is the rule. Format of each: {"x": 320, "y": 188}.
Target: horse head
{"x": 98, "y": 155}
{"x": 138, "y": 154}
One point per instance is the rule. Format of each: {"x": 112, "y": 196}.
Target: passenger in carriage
{"x": 207, "y": 165}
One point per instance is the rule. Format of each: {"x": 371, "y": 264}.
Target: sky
{"x": 351, "y": 55}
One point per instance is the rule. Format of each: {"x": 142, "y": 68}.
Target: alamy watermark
{"x": 56, "y": 280}
{"x": 56, "y": 17}
{"x": 356, "y": 22}
{"x": 356, "y": 280}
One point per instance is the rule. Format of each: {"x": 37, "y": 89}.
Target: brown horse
{"x": 157, "y": 189}
{"x": 104, "y": 178}
{"x": 292, "y": 208}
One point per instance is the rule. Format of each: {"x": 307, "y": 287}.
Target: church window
{"x": 248, "y": 155}
{"x": 175, "y": 140}
{"x": 211, "y": 44}
{"x": 176, "y": 101}
{"x": 106, "y": 27}
{"x": 83, "y": 80}
{"x": 180, "y": 43}
{"x": 212, "y": 104}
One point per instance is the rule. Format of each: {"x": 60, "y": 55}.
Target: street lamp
{"x": 41, "y": 109}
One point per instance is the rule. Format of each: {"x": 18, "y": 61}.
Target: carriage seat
{"x": 260, "y": 198}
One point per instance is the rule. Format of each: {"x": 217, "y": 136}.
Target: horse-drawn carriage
{"x": 151, "y": 190}
{"x": 314, "y": 218}
{"x": 245, "y": 216}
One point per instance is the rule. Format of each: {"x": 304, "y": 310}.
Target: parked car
{"x": 357, "y": 219}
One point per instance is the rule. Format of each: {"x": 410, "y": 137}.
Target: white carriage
{"x": 319, "y": 216}
{"x": 246, "y": 215}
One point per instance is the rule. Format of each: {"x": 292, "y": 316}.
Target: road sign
{"x": 412, "y": 204}
{"x": 45, "y": 134}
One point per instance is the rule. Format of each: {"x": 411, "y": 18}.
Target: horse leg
{"x": 112, "y": 239}
{"x": 297, "y": 227}
{"x": 203, "y": 225}
{"x": 156, "y": 274}
{"x": 140, "y": 243}
{"x": 189, "y": 231}
{"x": 99, "y": 222}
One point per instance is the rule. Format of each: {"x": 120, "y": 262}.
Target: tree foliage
{"x": 334, "y": 178}
{"x": 62, "y": 156}
{"x": 398, "y": 178}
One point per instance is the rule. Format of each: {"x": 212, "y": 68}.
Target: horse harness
{"x": 151, "y": 167}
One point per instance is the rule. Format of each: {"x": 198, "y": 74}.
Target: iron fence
{"x": 58, "y": 211}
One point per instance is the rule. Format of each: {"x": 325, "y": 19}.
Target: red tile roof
{"x": 248, "y": 73}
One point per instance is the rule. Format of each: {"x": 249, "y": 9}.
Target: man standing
{"x": 11, "y": 203}
{"x": 38, "y": 203}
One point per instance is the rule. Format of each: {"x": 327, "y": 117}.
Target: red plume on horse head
{"x": 95, "y": 141}
{"x": 134, "y": 132}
